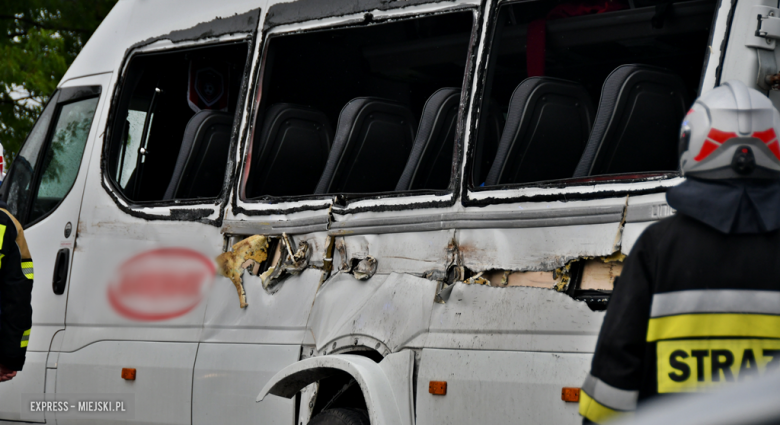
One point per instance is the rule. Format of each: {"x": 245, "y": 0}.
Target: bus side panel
{"x": 495, "y": 387}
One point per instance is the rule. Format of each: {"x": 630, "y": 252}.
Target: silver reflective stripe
{"x": 715, "y": 301}
{"x": 609, "y": 396}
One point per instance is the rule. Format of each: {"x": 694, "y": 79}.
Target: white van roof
{"x": 133, "y": 21}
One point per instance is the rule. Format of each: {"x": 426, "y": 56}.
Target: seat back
{"x": 289, "y": 156}
{"x": 200, "y": 166}
{"x": 637, "y": 124}
{"x": 430, "y": 164}
{"x": 491, "y": 126}
{"x": 372, "y": 143}
{"x": 547, "y": 127}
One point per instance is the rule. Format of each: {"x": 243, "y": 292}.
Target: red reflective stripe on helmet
{"x": 775, "y": 148}
{"x": 765, "y": 136}
{"x": 706, "y": 149}
{"x": 720, "y": 136}
{"x": 690, "y": 111}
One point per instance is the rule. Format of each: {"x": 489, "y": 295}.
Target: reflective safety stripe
{"x": 27, "y": 269}
{"x": 25, "y": 338}
{"x": 610, "y": 396}
{"x": 597, "y": 412}
{"x": 715, "y": 301}
{"x": 713, "y": 325}
{"x": 2, "y": 235}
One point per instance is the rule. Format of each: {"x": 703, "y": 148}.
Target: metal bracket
{"x": 767, "y": 78}
{"x": 767, "y": 28}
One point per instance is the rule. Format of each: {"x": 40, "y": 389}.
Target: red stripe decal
{"x": 690, "y": 111}
{"x": 720, "y": 136}
{"x": 775, "y": 148}
{"x": 706, "y": 150}
{"x": 765, "y": 136}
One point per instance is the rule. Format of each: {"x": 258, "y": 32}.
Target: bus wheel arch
{"x": 386, "y": 387}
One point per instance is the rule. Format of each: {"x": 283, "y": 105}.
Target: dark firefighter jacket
{"x": 16, "y": 281}
{"x": 694, "y": 307}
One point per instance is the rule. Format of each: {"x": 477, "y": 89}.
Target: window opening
{"x": 588, "y": 88}
{"x": 364, "y": 109}
{"x": 174, "y": 122}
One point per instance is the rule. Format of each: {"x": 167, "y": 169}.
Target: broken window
{"x": 47, "y": 165}
{"x": 171, "y": 135}
{"x": 588, "y": 88}
{"x": 371, "y": 108}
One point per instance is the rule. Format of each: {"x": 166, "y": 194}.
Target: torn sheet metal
{"x": 248, "y": 253}
{"x": 534, "y": 249}
{"x": 518, "y": 318}
{"x": 392, "y": 309}
{"x": 365, "y": 268}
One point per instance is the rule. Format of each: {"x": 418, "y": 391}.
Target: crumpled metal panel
{"x": 402, "y": 252}
{"x": 392, "y": 309}
{"x": 536, "y": 248}
{"x": 518, "y": 318}
{"x": 278, "y": 318}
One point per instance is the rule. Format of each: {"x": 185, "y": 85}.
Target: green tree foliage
{"x": 39, "y": 39}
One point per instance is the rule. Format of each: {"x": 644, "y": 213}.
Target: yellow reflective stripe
{"x": 597, "y": 412}
{"x": 713, "y": 325}
{"x": 2, "y": 235}
{"x": 27, "y": 269}
{"x": 25, "y": 338}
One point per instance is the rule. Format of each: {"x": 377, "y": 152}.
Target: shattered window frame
{"x": 420, "y": 198}
{"x": 581, "y": 188}
{"x": 209, "y": 210}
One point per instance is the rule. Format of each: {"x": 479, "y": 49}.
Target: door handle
{"x": 60, "y": 271}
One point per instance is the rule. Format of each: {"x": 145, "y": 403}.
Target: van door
{"x": 43, "y": 190}
{"x": 149, "y": 234}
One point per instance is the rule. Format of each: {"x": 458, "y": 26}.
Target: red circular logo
{"x": 161, "y": 284}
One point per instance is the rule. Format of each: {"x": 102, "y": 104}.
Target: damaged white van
{"x": 389, "y": 211}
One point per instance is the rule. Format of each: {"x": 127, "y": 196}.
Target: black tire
{"x": 341, "y": 417}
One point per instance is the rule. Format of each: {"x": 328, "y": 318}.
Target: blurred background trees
{"x": 39, "y": 41}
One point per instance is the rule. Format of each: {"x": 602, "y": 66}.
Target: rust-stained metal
{"x": 246, "y": 253}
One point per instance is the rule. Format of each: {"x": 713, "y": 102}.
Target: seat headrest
{"x": 372, "y": 143}
{"x": 430, "y": 163}
{"x": 547, "y": 126}
{"x": 637, "y": 123}
{"x": 207, "y": 127}
{"x": 293, "y": 137}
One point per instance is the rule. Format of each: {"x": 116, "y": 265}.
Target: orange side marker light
{"x": 437, "y": 387}
{"x": 570, "y": 394}
{"x": 128, "y": 373}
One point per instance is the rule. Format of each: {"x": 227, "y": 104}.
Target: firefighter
{"x": 16, "y": 281}
{"x": 698, "y": 302}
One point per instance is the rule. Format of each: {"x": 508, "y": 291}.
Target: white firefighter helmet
{"x": 731, "y": 132}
